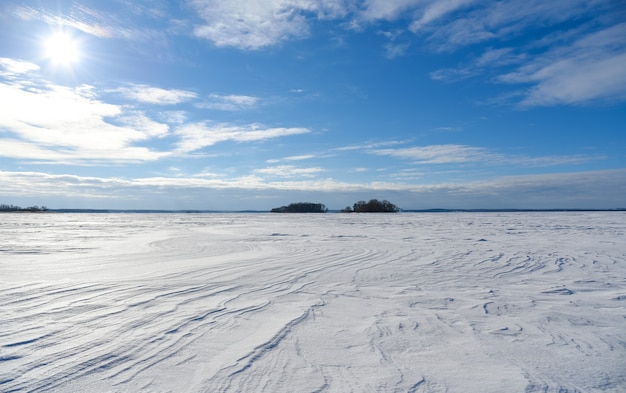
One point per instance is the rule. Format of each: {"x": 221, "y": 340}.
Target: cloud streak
{"x": 567, "y": 68}
{"x": 93, "y": 21}
{"x": 197, "y": 136}
{"x": 462, "y": 154}
{"x": 155, "y": 95}
{"x": 555, "y": 190}
{"x": 591, "y": 68}
{"x": 289, "y": 171}
{"x": 438, "y": 154}
{"x": 230, "y": 102}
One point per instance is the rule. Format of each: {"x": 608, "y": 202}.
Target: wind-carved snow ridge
{"x": 468, "y": 302}
{"x": 259, "y": 351}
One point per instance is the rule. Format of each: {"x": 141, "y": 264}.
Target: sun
{"x": 60, "y": 48}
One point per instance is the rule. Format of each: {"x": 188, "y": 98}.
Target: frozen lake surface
{"x": 456, "y": 302}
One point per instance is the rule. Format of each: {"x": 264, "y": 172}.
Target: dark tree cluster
{"x": 13, "y": 208}
{"x": 373, "y": 206}
{"x": 301, "y": 207}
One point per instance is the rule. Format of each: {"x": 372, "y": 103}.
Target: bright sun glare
{"x": 62, "y": 49}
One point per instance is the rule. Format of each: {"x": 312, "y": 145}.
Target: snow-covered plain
{"x": 455, "y": 302}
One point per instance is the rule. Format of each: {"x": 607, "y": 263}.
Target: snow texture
{"x": 450, "y": 302}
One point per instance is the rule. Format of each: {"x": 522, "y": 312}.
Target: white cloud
{"x": 249, "y": 25}
{"x": 155, "y": 95}
{"x": 253, "y": 25}
{"x": 12, "y": 148}
{"x": 49, "y": 123}
{"x": 229, "y": 102}
{"x": 173, "y": 117}
{"x": 199, "y": 135}
{"x": 142, "y": 123}
{"x": 12, "y": 67}
{"x": 60, "y": 124}
{"x": 256, "y": 24}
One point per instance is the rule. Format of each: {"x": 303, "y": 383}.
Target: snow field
{"x": 457, "y": 302}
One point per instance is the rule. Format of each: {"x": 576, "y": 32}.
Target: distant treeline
{"x": 373, "y": 206}
{"x": 13, "y": 208}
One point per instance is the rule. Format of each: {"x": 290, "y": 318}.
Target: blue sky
{"x": 241, "y": 104}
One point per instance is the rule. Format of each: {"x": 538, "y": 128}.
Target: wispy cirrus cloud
{"x": 289, "y": 171}
{"x": 462, "y": 154}
{"x": 438, "y": 154}
{"x": 491, "y": 59}
{"x": 230, "y": 102}
{"x": 590, "y": 68}
{"x": 81, "y": 18}
{"x": 435, "y": 10}
{"x": 155, "y": 95}
{"x": 456, "y": 23}
{"x": 369, "y": 145}
{"x": 580, "y": 65}
{"x": 197, "y": 136}
{"x": 301, "y": 157}
{"x": 374, "y": 10}
{"x": 95, "y": 21}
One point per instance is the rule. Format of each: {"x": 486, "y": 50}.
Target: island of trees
{"x": 301, "y": 207}
{"x": 373, "y": 206}
{"x": 13, "y": 208}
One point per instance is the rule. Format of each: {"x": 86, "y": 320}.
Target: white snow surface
{"x": 445, "y": 302}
